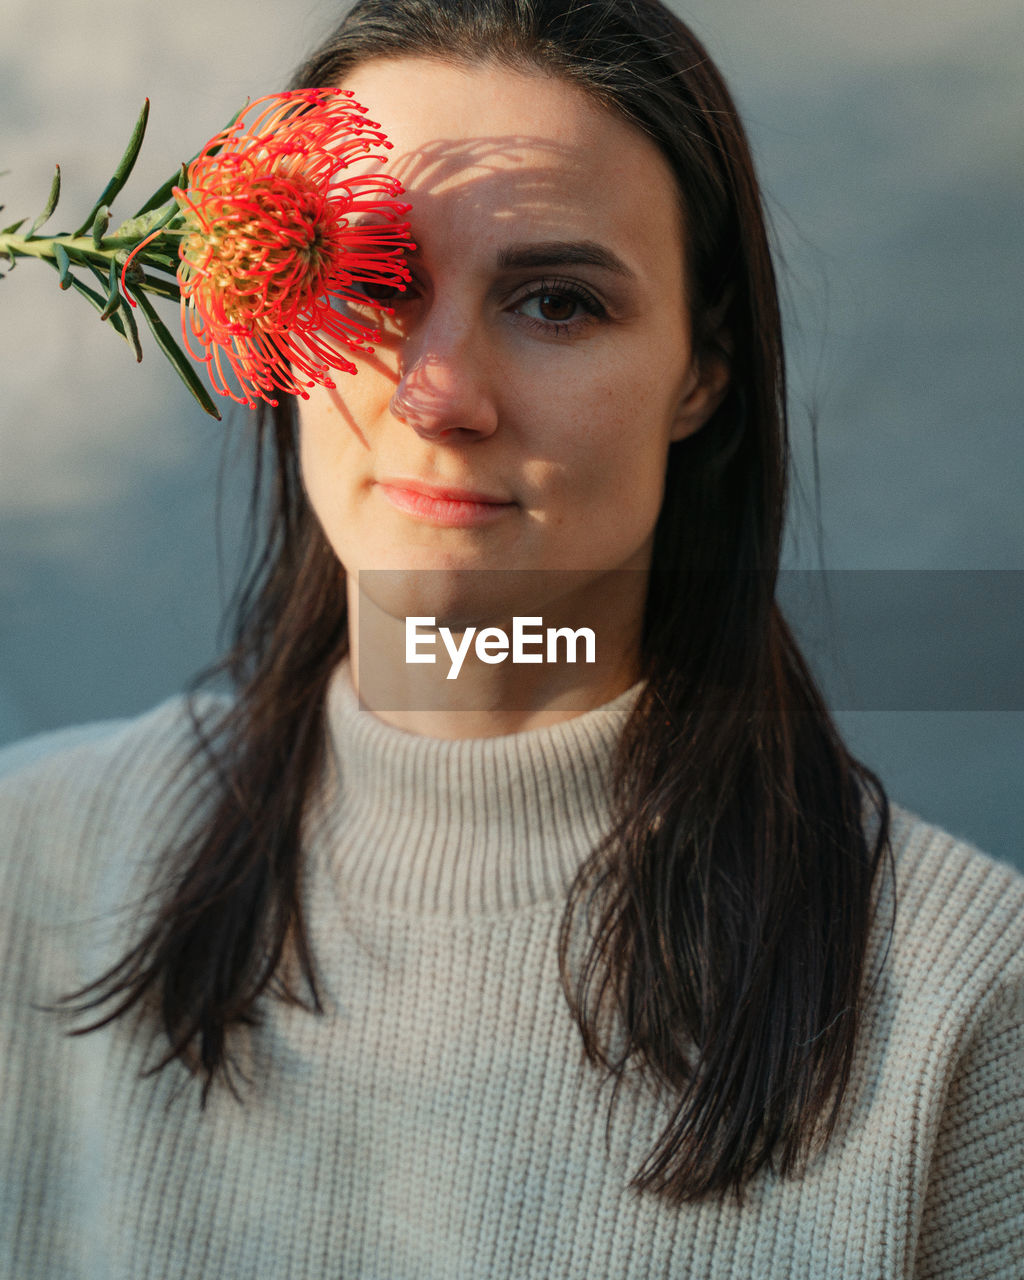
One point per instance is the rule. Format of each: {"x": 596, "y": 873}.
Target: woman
{"x": 381, "y": 934}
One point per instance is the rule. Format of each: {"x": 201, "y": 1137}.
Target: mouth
{"x": 454, "y": 507}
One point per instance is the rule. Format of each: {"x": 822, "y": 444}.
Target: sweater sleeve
{"x": 973, "y": 1219}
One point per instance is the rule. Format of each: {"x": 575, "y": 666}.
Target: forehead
{"x": 516, "y": 153}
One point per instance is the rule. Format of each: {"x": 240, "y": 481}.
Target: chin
{"x": 456, "y": 597}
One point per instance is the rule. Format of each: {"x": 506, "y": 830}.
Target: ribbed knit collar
{"x": 466, "y": 826}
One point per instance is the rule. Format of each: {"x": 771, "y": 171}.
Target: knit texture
{"x": 438, "y": 1121}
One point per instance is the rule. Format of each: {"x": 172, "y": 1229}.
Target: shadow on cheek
{"x": 337, "y": 400}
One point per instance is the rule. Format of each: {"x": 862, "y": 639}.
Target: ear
{"x": 705, "y": 389}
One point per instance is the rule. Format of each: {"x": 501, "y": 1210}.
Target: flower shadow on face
{"x": 505, "y": 189}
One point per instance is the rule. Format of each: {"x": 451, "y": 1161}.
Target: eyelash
{"x": 384, "y": 294}
{"x": 559, "y": 288}
{"x": 553, "y": 287}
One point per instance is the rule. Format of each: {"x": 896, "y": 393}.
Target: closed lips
{"x": 444, "y": 494}
{"x": 452, "y": 508}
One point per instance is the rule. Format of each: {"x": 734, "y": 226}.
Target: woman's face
{"x": 519, "y": 407}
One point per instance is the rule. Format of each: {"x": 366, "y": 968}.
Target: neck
{"x": 489, "y": 825}
{"x": 485, "y": 669}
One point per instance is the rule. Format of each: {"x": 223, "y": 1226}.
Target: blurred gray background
{"x": 890, "y": 146}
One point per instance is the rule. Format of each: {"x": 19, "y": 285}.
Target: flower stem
{"x": 64, "y": 250}
{"x": 75, "y": 246}
{"x": 88, "y": 248}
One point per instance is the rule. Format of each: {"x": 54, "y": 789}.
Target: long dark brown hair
{"x": 729, "y": 907}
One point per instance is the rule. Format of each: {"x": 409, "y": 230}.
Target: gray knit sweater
{"x": 437, "y": 1122}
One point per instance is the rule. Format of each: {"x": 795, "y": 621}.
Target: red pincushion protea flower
{"x": 276, "y": 234}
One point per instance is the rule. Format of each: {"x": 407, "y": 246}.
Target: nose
{"x": 445, "y": 389}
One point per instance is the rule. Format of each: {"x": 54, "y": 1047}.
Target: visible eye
{"x": 551, "y": 306}
{"x": 383, "y": 292}
{"x": 374, "y": 291}
{"x": 375, "y": 302}
{"x": 559, "y": 307}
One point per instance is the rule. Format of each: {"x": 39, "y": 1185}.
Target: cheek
{"x": 334, "y": 424}
{"x": 619, "y": 434}
{"x": 319, "y": 434}
{"x": 328, "y": 458}
{"x": 360, "y": 398}
{"x": 615, "y": 435}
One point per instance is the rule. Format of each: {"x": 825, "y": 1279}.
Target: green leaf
{"x": 163, "y": 193}
{"x": 9, "y": 231}
{"x": 76, "y": 253}
{"x": 122, "y": 319}
{"x": 160, "y": 261}
{"x": 161, "y": 288}
{"x": 171, "y": 214}
{"x": 114, "y": 298}
{"x": 131, "y": 327}
{"x": 98, "y": 302}
{"x": 145, "y": 224}
{"x": 95, "y": 298}
{"x": 100, "y": 224}
{"x": 51, "y": 204}
{"x": 176, "y": 356}
{"x": 60, "y": 256}
{"x": 123, "y": 170}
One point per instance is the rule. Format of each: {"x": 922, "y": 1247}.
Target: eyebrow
{"x": 555, "y": 253}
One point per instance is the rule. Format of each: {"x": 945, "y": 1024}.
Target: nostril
{"x": 444, "y": 392}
